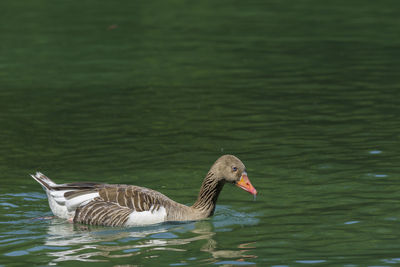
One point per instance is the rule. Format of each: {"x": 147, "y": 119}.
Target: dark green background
{"x": 306, "y": 93}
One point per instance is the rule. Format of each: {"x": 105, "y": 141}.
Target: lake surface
{"x": 306, "y": 93}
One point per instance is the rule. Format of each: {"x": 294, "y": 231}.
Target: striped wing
{"x": 103, "y": 213}
{"x": 103, "y": 204}
{"x": 134, "y": 197}
{"x": 116, "y": 204}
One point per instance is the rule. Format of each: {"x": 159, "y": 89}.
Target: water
{"x": 305, "y": 93}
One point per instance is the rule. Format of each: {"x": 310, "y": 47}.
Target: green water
{"x": 306, "y": 93}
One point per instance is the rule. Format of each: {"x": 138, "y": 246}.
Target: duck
{"x": 120, "y": 205}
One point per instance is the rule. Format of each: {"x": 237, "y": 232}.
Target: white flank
{"x": 58, "y": 196}
{"x": 59, "y": 210}
{"x": 64, "y": 208}
{"x": 146, "y": 217}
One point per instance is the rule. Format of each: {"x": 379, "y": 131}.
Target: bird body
{"x": 129, "y": 205}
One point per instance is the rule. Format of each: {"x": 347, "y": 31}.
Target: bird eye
{"x": 234, "y": 169}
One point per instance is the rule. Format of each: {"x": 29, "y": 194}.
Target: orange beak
{"x": 245, "y": 184}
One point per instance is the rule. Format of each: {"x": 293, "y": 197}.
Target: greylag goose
{"x": 129, "y": 205}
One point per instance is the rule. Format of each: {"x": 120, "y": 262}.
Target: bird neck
{"x": 208, "y": 194}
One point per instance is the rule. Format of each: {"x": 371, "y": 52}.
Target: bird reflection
{"x": 98, "y": 244}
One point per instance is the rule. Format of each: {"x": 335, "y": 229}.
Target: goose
{"x": 129, "y": 205}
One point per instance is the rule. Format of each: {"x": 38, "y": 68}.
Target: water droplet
{"x": 351, "y": 222}
{"x": 374, "y": 152}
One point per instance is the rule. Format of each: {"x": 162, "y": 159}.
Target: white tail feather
{"x": 75, "y": 202}
{"x": 44, "y": 181}
{"x": 59, "y": 205}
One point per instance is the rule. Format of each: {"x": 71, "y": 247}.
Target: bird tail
{"x": 44, "y": 181}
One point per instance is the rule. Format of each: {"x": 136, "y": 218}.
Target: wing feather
{"x": 116, "y": 204}
{"x": 133, "y": 197}
{"x": 102, "y": 213}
